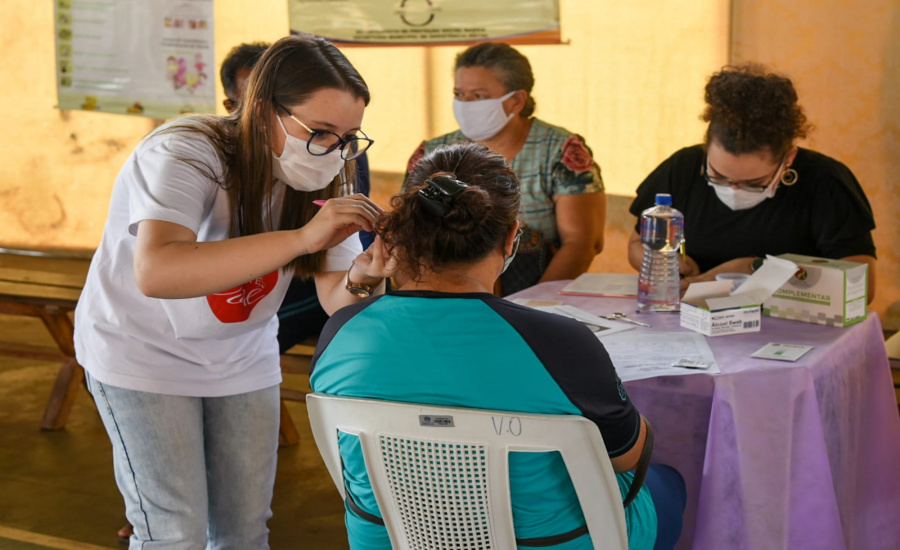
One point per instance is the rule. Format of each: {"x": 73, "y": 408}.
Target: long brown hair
{"x": 289, "y": 72}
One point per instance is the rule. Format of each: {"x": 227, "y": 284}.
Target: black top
{"x": 825, "y": 214}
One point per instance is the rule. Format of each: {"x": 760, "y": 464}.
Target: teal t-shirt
{"x": 477, "y": 350}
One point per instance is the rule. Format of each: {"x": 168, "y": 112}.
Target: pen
{"x": 319, "y": 202}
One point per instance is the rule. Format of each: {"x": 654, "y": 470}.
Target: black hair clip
{"x": 439, "y": 188}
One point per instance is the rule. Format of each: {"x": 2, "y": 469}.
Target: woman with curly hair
{"x": 749, "y": 190}
{"x": 444, "y": 338}
{"x": 563, "y": 202}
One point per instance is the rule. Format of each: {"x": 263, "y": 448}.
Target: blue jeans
{"x": 195, "y": 472}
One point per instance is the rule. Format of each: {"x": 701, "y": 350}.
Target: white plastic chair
{"x": 440, "y": 475}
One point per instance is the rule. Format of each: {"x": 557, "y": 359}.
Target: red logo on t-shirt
{"x": 234, "y": 305}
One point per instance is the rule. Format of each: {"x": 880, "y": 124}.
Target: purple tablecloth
{"x": 776, "y": 455}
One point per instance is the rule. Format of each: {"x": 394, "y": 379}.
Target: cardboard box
{"x": 825, "y": 292}
{"x": 714, "y": 310}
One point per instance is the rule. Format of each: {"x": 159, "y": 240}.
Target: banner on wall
{"x": 152, "y": 59}
{"x": 422, "y": 22}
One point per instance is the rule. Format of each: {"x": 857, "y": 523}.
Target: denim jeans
{"x": 195, "y": 472}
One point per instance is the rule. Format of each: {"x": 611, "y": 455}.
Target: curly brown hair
{"x": 477, "y": 220}
{"x": 750, "y": 110}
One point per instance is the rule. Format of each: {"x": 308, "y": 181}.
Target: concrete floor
{"x": 57, "y": 488}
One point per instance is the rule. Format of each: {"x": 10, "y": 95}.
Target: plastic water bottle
{"x": 662, "y": 231}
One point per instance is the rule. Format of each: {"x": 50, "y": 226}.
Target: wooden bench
{"x": 46, "y": 285}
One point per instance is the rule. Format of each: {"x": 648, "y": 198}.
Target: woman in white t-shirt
{"x": 209, "y": 219}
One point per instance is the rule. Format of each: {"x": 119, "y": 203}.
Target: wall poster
{"x": 152, "y": 59}
{"x": 420, "y": 22}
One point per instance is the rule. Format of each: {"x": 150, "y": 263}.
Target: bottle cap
{"x": 664, "y": 199}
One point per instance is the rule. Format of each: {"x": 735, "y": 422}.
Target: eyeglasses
{"x": 322, "y": 142}
{"x": 758, "y": 185}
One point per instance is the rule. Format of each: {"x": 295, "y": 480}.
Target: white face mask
{"x": 509, "y": 259}
{"x": 304, "y": 171}
{"x": 740, "y": 199}
{"x": 482, "y": 119}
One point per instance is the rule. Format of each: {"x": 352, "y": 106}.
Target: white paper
{"x": 603, "y": 284}
{"x": 767, "y": 279}
{"x": 152, "y": 59}
{"x": 781, "y": 352}
{"x": 709, "y": 289}
{"x": 535, "y": 302}
{"x": 601, "y": 327}
{"x": 639, "y": 355}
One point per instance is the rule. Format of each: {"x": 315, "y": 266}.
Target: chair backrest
{"x": 440, "y": 475}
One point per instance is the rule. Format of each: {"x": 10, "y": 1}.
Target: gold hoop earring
{"x": 789, "y": 177}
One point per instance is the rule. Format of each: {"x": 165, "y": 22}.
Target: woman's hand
{"x": 737, "y": 265}
{"x": 370, "y": 268}
{"x": 687, "y": 267}
{"x": 374, "y": 265}
{"x": 338, "y": 219}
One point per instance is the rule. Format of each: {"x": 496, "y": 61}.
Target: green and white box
{"x": 713, "y": 309}
{"x": 826, "y": 292}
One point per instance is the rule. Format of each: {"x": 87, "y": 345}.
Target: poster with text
{"x": 152, "y": 59}
{"x": 418, "y": 22}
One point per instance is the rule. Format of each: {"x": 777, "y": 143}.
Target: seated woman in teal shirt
{"x": 444, "y": 338}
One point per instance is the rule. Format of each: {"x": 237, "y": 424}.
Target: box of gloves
{"x": 822, "y": 291}
{"x": 715, "y": 309}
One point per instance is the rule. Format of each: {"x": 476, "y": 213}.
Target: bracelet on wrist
{"x": 360, "y": 290}
{"x": 756, "y": 264}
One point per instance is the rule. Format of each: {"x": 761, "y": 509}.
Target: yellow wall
{"x": 630, "y": 80}
{"x": 627, "y": 81}
{"x": 844, "y": 58}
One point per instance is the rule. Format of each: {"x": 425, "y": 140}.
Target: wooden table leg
{"x": 287, "y": 434}
{"x": 65, "y": 390}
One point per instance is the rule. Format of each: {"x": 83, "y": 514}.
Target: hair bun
{"x": 467, "y": 210}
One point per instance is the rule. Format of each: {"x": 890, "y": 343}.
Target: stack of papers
{"x": 603, "y": 284}
{"x": 600, "y": 326}
{"x": 648, "y": 354}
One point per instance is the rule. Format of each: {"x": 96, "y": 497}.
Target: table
{"x": 46, "y": 285}
{"x": 776, "y": 455}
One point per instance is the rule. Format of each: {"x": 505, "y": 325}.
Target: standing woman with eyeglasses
{"x": 749, "y": 190}
{"x": 176, "y": 327}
